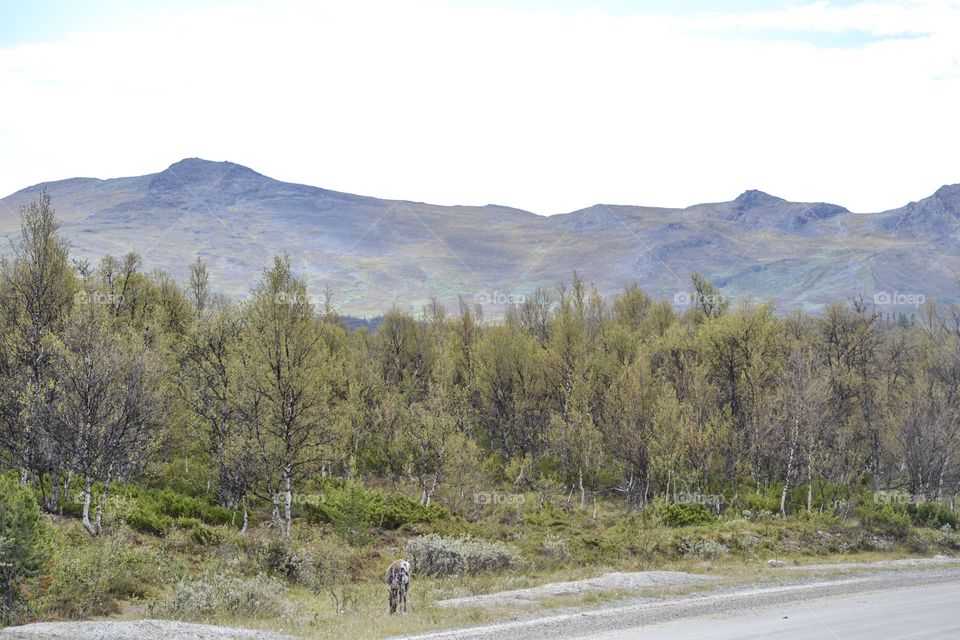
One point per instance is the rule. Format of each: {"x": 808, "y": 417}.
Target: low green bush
{"x": 398, "y": 510}
{"x": 23, "y": 548}
{"x": 188, "y": 523}
{"x": 931, "y": 514}
{"x": 146, "y": 520}
{"x": 204, "y": 536}
{"x": 89, "y": 576}
{"x": 154, "y": 511}
{"x": 353, "y": 510}
{"x": 760, "y": 503}
{"x": 888, "y": 519}
{"x": 680, "y": 514}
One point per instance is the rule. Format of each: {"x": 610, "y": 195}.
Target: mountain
{"x": 376, "y": 254}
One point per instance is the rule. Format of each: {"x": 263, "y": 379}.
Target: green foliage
{"x": 354, "y": 510}
{"x": 22, "y": 544}
{"x": 204, "y": 536}
{"x": 932, "y": 514}
{"x": 155, "y": 511}
{"x": 681, "y": 514}
{"x": 398, "y": 510}
{"x": 90, "y": 576}
{"x": 146, "y": 520}
{"x": 759, "y": 503}
{"x": 887, "y": 519}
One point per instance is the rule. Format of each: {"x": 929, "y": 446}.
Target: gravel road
{"x": 926, "y": 611}
{"x": 878, "y": 602}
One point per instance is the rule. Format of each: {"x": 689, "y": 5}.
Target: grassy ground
{"x": 320, "y": 586}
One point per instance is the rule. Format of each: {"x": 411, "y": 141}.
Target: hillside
{"x": 376, "y": 254}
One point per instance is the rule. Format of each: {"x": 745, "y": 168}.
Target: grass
{"x": 334, "y": 589}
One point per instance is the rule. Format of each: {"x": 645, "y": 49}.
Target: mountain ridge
{"x": 378, "y": 253}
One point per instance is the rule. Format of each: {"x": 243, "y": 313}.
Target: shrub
{"x": 555, "y": 548}
{"x": 931, "y": 514}
{"x": 219, "y": 595}
{"x": 759, "y": 503}
{"x": 159, "y": 506}
{"x": 204, "y": 536}
{"x": 398, "y": 510}
{"x": 756, "y": 516}
{"x": 353, "y": 510}
{"x": 433, "y": 555}
{"x": 706, "y": 549}
{"x": 22, "y": 545}
{"x": 679, "y": 514}
{"x": 948, "y": 538}
{"x": 90, "y": 575}
{"x": 188, "y": 523}
{"x": 885, "y": 520}
{"x": 80, "y": 587}
{"x": 278, "y": 557}
{"x": 146, "y": 520}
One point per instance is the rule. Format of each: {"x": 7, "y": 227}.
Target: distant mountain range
{"x": 376, "y": 254}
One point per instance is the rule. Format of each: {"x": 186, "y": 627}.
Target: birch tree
{"x": 108, "y": 407}
{"x": 284, "y": 406}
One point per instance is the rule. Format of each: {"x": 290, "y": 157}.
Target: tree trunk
{"x": 54, "y": 490}
{"x": 795, "y": 436}
{"x": 246, "y": 518}
{"x": 87, "y": 488}
{"x": 66, "y": 488}
{"x": 428, "y": 493}
{"x": 102, "y": 505}
{"x": 287, "y": 501}
{"x": 583, "y": 492}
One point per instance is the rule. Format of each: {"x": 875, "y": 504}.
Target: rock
{"x": 776, "y": 563}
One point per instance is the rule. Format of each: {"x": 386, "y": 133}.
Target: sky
{"x": 544, "y": 106}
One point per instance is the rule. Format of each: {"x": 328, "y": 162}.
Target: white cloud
{"x": 458, "y": 104}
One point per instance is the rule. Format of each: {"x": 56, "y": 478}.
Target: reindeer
{"x": 398, "y": 581}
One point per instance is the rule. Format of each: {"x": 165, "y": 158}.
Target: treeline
{"x": 109, "y": 373}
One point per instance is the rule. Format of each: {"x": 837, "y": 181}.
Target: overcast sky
{"x": 546, "y": 106}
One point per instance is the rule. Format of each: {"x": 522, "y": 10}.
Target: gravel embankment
{"x": 132, "y": 630}
{"x": 633, "y": 581}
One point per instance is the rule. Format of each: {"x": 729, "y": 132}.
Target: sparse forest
{"x": 135, "y": 407}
